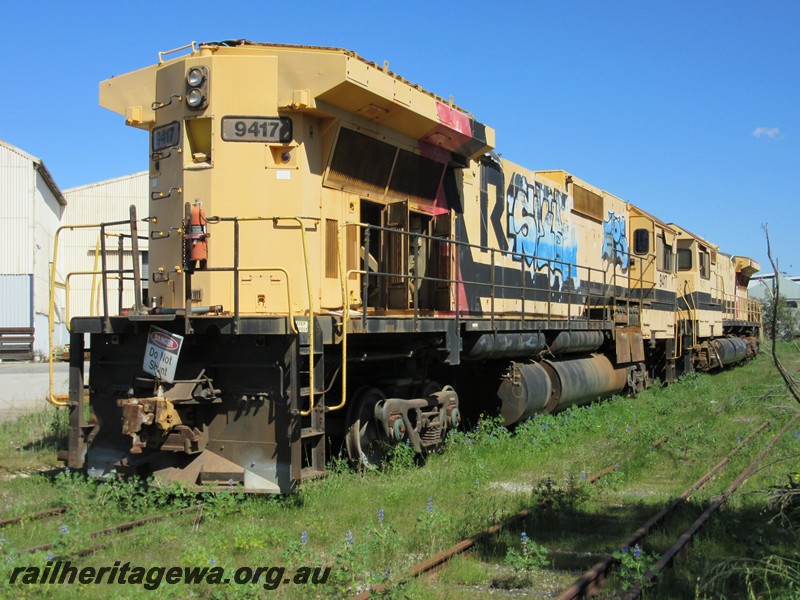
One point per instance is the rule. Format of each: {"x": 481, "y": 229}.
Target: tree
{"x": 776, "y": 308}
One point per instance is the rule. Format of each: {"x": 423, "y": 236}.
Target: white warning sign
{"x": 161, "y": 353}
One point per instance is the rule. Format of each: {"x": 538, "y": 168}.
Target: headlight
{"x": 195, "y": 98}
{"x": 195, "y": 77}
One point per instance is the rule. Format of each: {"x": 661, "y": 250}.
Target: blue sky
{"x": 690, "y": 110}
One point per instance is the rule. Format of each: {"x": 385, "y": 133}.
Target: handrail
{"x": 51, "y": 320}
{"x": 292, "y": 324}
{"x": 345, "y": 275}
{"x": 67, "y": 294}
{"x": 309, "y": 289}
{"x": 551, "y": 262}
{"x": 692, "y": 312}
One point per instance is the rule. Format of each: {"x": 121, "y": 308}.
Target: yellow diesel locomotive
{"x": 337, "y": 257}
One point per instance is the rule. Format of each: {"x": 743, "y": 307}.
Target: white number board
{"x": 161, "y": 353}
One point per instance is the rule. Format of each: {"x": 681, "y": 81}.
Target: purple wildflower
{"x": 637, "y": 552}
{"x": 430, "y": 505}
{"x": 304, "y": 538}
{"x": 350, "y": 539}
{"x": 64, "y": 530}
{"x": 583, "y": 474}
{"x": 380, "y": 516}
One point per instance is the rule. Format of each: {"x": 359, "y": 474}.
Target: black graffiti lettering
{"x": 492, "y": 175}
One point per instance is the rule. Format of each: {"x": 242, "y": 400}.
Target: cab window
{"x": 684, "y": 259}
{"x": 666, "y": 258}
{"x": 641, "y": 241}
{"x": 705, "y": 271}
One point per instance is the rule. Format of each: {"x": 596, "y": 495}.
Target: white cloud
{"x": 767, "y": 132}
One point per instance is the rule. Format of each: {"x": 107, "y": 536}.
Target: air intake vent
{"x": 587, "y": 203}
{"x": 361, "y": 164}
{"x": 370, "y": 167}
{"x": 415, "y": 177}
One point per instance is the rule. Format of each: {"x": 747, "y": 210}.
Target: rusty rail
{"x": 42, "y": 514}
{"x": 437, "y": 561}
{"x": 687, "y": 535}
{"x": 593, "y": 579}
{"x": 127, "y": 526}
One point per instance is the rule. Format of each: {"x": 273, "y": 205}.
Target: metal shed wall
{"x": 17, "y": 183}
{"x": 94, "y": 203}
{"x": 16, "y": 300}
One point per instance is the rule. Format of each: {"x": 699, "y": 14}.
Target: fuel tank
{"x": 730, "y": 349}
{"x": 553, "y": 385}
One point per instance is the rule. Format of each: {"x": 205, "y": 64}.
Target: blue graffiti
{"x": 615, "y": 242}
{"x": 540, "y": 230}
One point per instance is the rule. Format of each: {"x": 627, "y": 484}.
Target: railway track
{"x": 42, "y": 514}
{"x": 99, "y": 533}
{"x": 121, "y": 528}
{"x": 666, "y": 559}
{"x": 438, "y": 561}
{"x": 594, "y": 578}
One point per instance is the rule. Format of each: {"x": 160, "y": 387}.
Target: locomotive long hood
{"x": 313, "y": 79}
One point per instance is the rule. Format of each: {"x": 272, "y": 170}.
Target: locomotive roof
{"x": 384, "y": 68}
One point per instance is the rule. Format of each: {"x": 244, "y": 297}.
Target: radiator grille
{"x": 415, "y": 176}
{"x": 361, "y": 163}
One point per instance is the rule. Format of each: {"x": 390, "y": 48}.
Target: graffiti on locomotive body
{"x": 615, "y": 242}
{"x": 540, "y": 230}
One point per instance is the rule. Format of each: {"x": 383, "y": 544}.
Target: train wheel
{"x": 366, "y": 445}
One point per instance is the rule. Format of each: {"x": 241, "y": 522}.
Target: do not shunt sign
{"x": 161, "y": 353}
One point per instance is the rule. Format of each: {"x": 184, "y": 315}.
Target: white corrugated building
{"x": 104, "y": 201}
{"x": 31, "y": 208}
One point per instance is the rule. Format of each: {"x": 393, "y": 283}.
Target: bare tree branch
{"x": 791, "y": 382}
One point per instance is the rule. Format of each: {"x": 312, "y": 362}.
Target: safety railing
{"x": 236, "y": 269}
{"x": 453, "y": 281}
{"x": 629, "y": 288}
{"x": 495, "y": 291}
{"x": 102, "y": 254}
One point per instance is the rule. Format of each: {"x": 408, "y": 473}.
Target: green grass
{"x": 483, "y": 476}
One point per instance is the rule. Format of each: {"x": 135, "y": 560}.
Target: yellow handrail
{"x": 66, "y": 290}
{"x": 299, "y": 221}
{"x": 288, "y": 289}
{"x": 51, "y": 320}
{"x": 345, "y": 285}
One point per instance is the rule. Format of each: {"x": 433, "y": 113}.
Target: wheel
{"x": 365, "y": 442}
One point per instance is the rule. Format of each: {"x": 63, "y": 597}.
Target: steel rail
{"x": 42, "y": 514}
{"x": 592, "y": 579}
{"x": 665, "y": 560}
{"x": 437, "y": 561}
{"x": 127, "y": 526}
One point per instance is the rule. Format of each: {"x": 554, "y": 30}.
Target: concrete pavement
{"x": 24, "y": 386}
